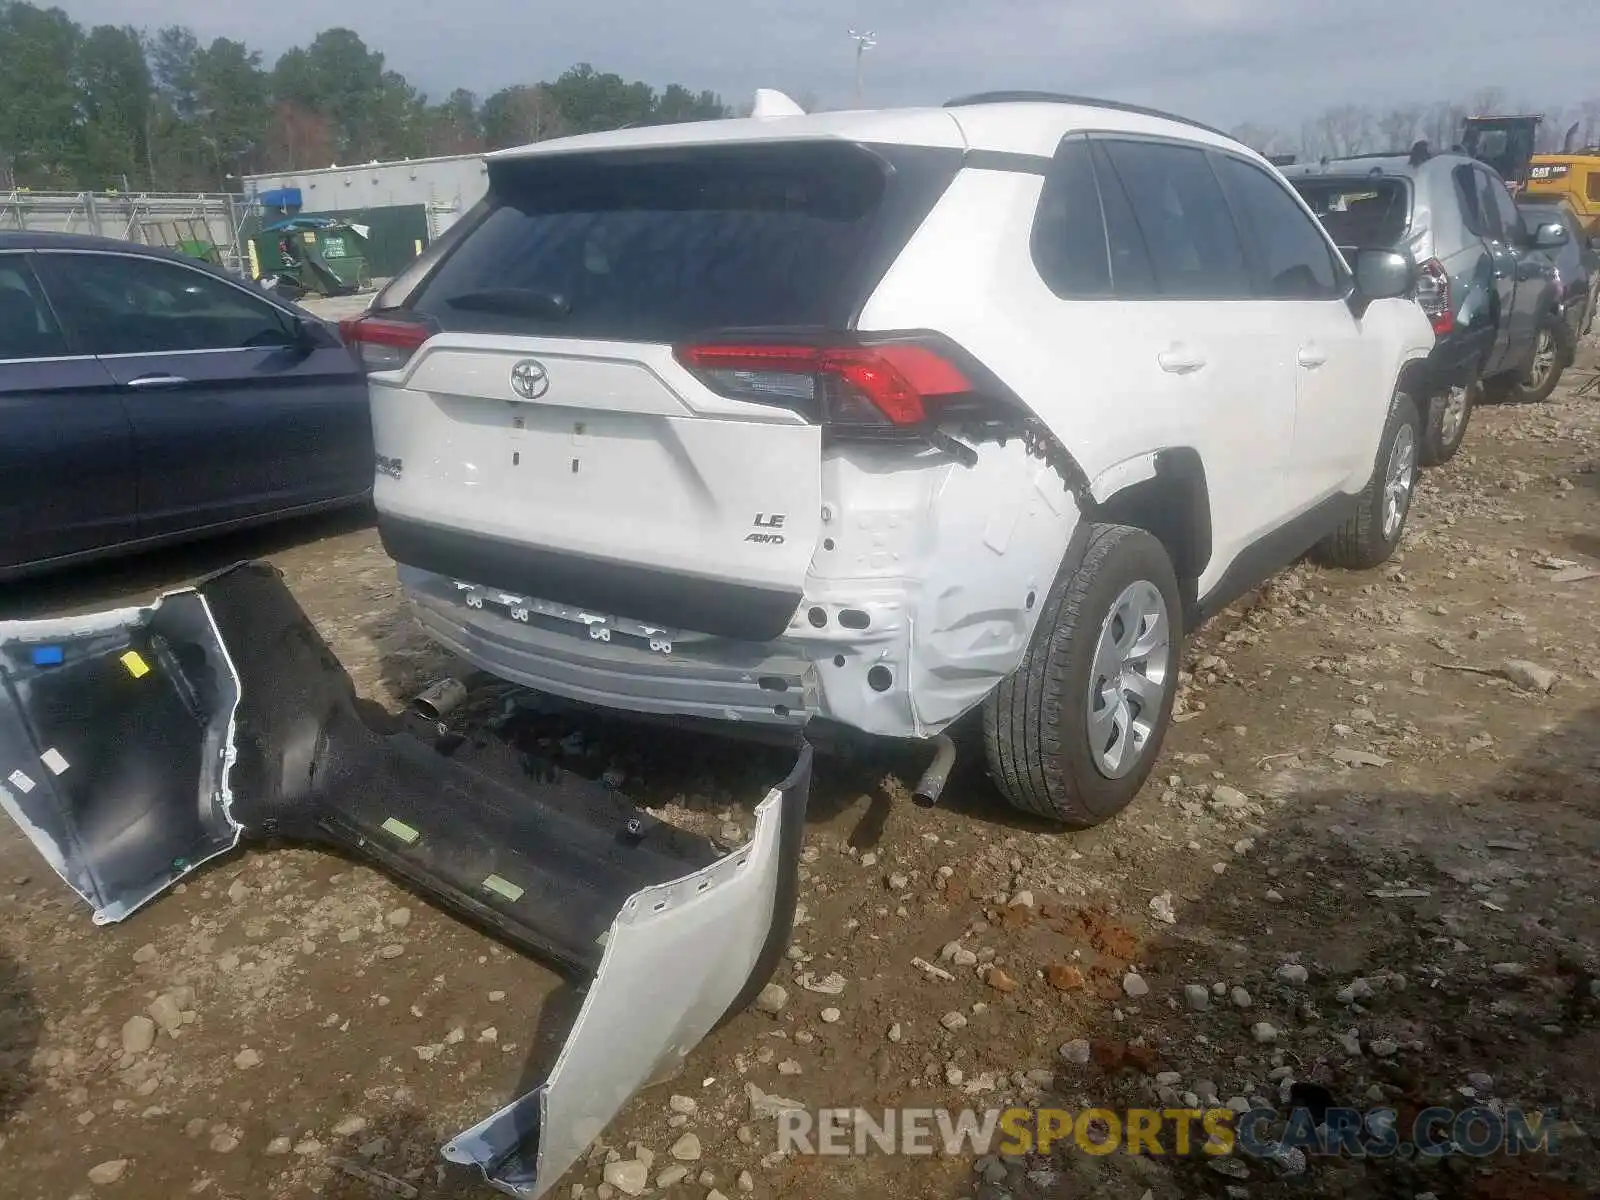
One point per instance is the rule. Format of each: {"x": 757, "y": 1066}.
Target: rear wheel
{"x": 1446, "y": 424}
{"x": 1371, "y": 534}
{"x": 1073, "y": 735}
{"x": 1553, "y": 350}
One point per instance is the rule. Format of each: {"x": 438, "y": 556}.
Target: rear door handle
{"x": 1180, "y": 360}
{"x": 1311, "y": 356}
{"x": 151, "y": 381}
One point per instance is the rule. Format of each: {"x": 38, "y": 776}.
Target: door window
{"x": 1494, "y": 225}
{"x": 1505, "y": 207}
{"x": 1131, "y": 273}
{"x": 1295, "y": 259}
{"x": 1469, "y": 195}
{"x": 125, "y": 304}
{"x": 27, "y": 327}
{"x": 1184, "y": 219}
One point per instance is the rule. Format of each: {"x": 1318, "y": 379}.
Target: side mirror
{"x": 1594, "y": 242}
{"x": 1384, "y": 274}
{"x": 1550, "y": 235}
{"x": 314, "y": 335}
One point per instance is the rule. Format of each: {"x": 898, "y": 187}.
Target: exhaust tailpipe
{"x": 931, "y": 786}
{"x": 438, "y": 699}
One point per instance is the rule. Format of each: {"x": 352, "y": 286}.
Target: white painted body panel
{"x": 950, "y": 563}
{"x": 685, "y": 949}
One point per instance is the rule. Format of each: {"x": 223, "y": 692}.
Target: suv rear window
{"x": 1360, "y": 213}
{"x": 660, "y": 245}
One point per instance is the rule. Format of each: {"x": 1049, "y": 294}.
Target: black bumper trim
{"x": 674, "y": 600}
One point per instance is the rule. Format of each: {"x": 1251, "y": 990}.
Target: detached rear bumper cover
{"x": 137, "y": 744}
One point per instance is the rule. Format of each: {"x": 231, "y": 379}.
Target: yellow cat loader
{"x": 139, "y": 744}
{"x": 1507, "y": 143}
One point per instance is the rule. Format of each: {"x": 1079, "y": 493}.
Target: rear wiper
{"x": 521, "y": 301}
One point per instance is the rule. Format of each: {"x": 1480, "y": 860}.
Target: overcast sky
{"x": 1272, "y": 62}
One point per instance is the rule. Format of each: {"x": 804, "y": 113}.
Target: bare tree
{"x": 1344, "y": 130}
{"x": 1260, "y": 138}
{"x": 1488, "y": 101}
{"x": 1397, "y": 128}
{"x": 1442, "y": 124}
{"x": 1553, "y": 131}
{"x": 1591, "y": 122}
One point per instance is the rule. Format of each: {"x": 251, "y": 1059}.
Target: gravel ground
{"x": 1366, "y": 862}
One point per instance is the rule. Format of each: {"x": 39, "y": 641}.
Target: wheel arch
{"x": 1415, "y": 379}
{"x": 1166, "y": 494}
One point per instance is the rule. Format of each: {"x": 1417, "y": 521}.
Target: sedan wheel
{"x": 1545, "y": 357}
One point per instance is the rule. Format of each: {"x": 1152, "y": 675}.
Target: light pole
{"x": 864, "y": 42}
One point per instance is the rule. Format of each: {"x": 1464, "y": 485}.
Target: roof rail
{"x": 1025, "y": 97}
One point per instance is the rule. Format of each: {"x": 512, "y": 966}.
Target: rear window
{"x": 1359, "y": 213}
{"x": 657, "y": 246}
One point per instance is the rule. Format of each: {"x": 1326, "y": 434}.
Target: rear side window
{"x": 1296, "y": 263}
{"x": 1069, "y": 230}
{"x": 27, "y": 327}
{"x": 1360, "y": 214}
{"x": 1086, "y": 242}
{"x": 1188, "y": 229}
{"x": 658, "y": 246}
{"x": 129, "y": 304}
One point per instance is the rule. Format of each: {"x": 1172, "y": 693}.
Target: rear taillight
{"x": 889, "y": 384}
{"x": 1433, "y": 294}
{"x": 383, "y": 343}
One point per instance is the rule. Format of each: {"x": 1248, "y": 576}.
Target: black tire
{"x": 1361, "y": 542}
{"x": 1526, "y": 389}
{"x": 1442, "y": 431}
{"x": 1035, "y": 724}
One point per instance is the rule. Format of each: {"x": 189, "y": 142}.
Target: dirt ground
{"x": 1359, "y": 821}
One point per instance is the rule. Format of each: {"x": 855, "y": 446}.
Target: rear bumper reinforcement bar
{"x": 137, "y": 744}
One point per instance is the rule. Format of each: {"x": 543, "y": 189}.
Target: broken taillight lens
{"x": 383, "y": 343}
{"x": 888, "y": 384}
{"x": 1433, "y": 294}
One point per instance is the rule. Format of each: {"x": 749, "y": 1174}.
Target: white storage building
{"x": 447, "y": 186}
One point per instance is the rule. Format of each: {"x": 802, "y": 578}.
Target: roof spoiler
{"x": 772, "y": 103}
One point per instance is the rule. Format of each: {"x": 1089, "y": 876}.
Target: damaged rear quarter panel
{"x": 949, "y": 562}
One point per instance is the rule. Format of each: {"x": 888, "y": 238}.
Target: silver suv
{"x": 1495, "y": 307}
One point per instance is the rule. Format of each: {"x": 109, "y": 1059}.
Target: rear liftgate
{"x": 136, "y": 745}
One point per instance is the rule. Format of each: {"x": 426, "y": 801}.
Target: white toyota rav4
{"x": 878, "y": 417}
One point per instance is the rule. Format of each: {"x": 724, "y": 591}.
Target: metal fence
{"x": 153, "y": 218}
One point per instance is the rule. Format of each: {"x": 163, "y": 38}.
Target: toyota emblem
{"x": 529, "y": 379}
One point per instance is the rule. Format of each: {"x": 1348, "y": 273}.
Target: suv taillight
{"x": 887, "y": 384}
{"x": 1433, "y": 294}
{"x": 383, "y": 343}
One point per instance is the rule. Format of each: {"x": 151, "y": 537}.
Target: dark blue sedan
{"x": 148, "y": 398}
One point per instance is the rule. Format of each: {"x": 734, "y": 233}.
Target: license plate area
{"x": 599, "y": 627}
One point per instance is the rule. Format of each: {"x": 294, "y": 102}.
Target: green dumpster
{"x": 321, "y": 255}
